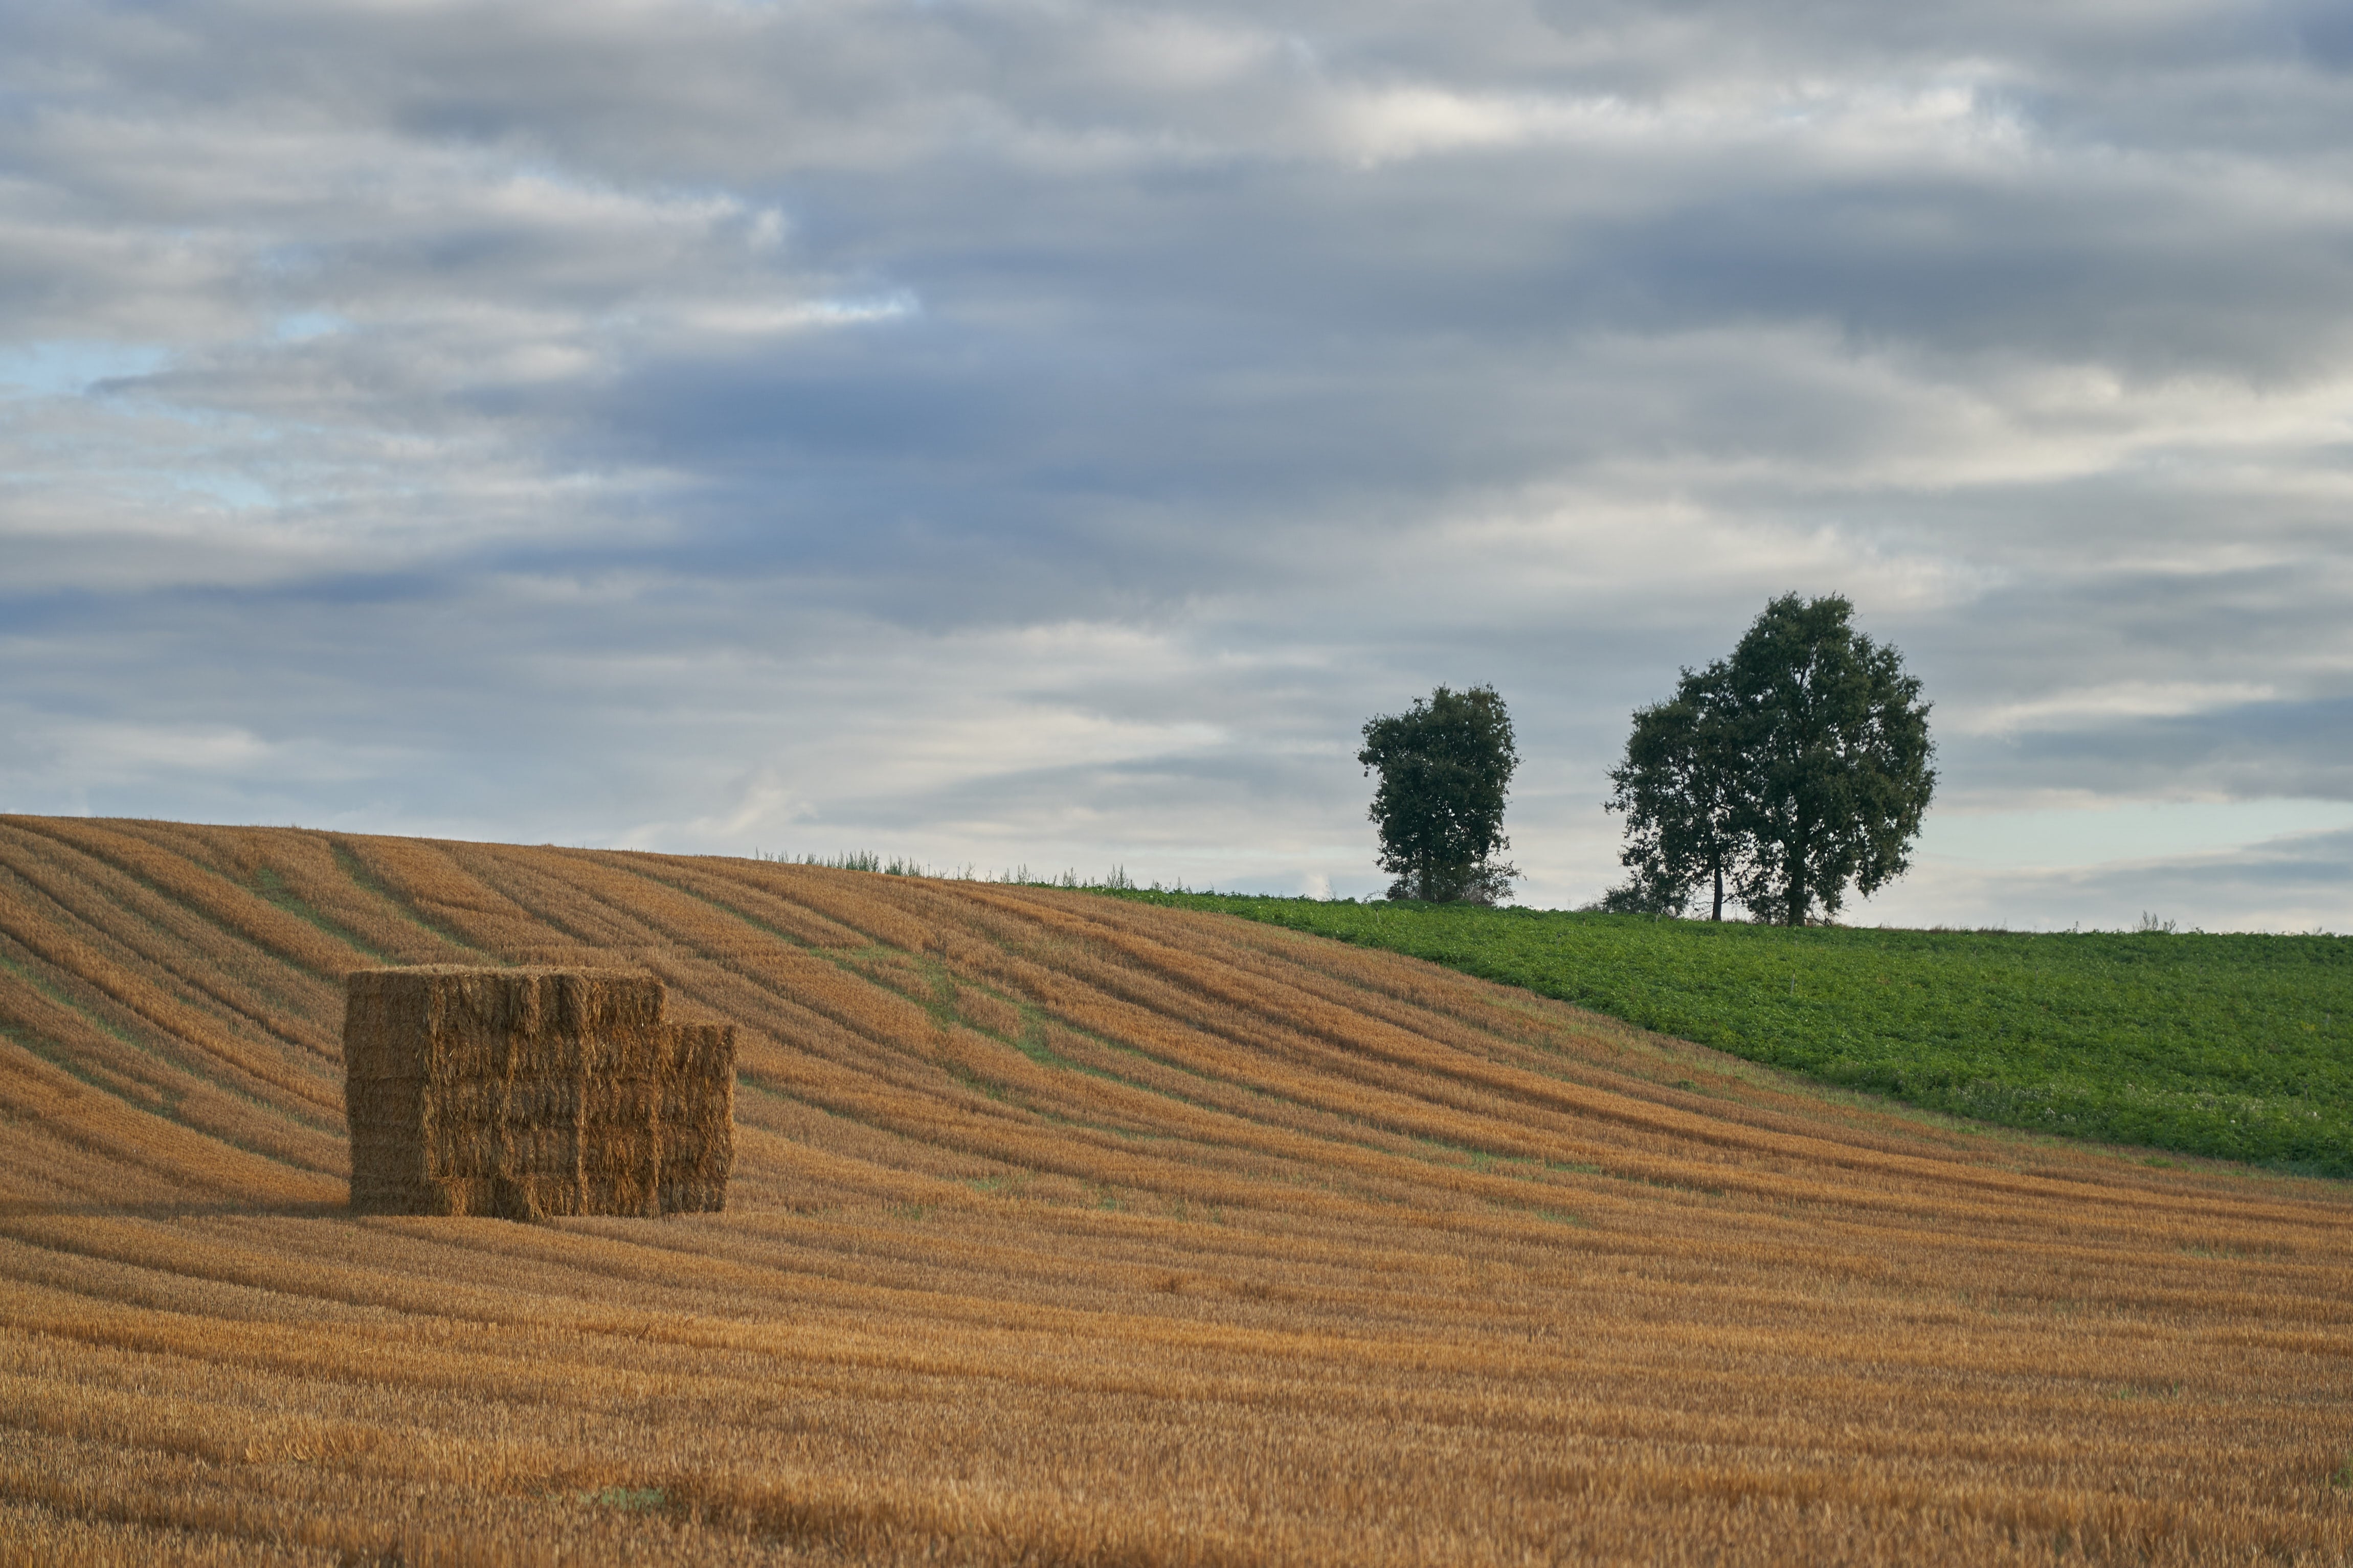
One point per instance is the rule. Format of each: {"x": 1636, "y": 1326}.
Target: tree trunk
{"x": 1796, "y": 914}
{"x": 1717, "y": 913}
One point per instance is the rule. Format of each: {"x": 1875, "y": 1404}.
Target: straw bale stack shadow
{"x": 531, "y": 1093}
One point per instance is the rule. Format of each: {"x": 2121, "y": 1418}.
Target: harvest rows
{"x": 1071, "y": 1230}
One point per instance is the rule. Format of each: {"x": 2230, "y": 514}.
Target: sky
{"x": 1021, "y": 433}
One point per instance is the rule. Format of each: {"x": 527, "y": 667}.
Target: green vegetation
{"x": 2235, "y": 1047}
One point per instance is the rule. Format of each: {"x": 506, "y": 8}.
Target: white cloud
{"x": 2123, "y": 833}
{"x": 2112, "y": 700}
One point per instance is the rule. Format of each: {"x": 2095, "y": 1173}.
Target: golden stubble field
{"x": 1067, "y": 1231}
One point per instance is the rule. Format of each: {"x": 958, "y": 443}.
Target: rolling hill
{"x": 1070, "y": 1230}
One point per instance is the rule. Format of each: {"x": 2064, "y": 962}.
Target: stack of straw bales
{"x": 533, "y": 1092}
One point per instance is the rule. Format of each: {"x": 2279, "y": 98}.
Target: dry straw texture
{"x": 1065, "y": 1231}
{"x": 532, "y": 1092}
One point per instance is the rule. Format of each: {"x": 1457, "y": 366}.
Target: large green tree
{"x": 1835, "y": 756}
{"x": 1789, "y": 772}
{"x": 1445, "y": 768}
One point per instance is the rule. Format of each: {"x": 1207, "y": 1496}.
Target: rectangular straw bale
{"x": 530, "y": 1092}
{"x": 698, "y": 1119}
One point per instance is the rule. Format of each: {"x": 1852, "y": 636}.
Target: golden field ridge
{"x": 1070, "y": 1230}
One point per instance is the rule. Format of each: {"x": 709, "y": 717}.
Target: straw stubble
{"x": 1071, "y": 1230}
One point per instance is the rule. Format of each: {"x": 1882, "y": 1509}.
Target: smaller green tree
{"x": 1445, "y": 767}
{"x": 1677, "y": 788}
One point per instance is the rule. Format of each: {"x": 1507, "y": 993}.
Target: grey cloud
{"x": 1062, "y": 425}
{"x": 2291, "y": 748}
{"x": 2292, "y": 884}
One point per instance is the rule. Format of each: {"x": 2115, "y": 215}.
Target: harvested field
{"x": 1068, "y": 1230}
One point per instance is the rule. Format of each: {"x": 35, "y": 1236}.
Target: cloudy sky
{"x": 1027, "y": 432}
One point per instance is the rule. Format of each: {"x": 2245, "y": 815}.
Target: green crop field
{"x": 2235, "y": 1047}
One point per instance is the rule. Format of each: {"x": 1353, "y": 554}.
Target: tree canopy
{"x": 1445, "y": 767}
{"x": 1795, "y": 769}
